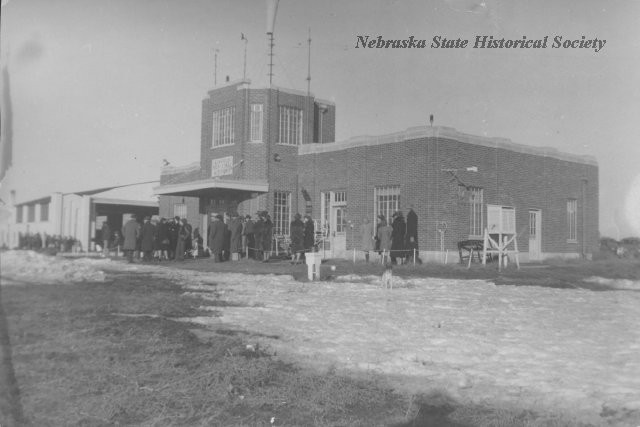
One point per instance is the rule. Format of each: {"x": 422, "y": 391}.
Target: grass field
{"x": 102, "y": 354}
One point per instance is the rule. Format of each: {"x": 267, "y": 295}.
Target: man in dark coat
{"x": 184, "y": 236}
{"x": 398, "y": 237}
{"x": 249, "y": 229}
{"x": 148, "y": 239}
{"x": 173, "y": 227}
{"x": 258, "y": 233}
{"x": 235, "y": 228}
{"x": 217, "y": 230}
{"x": 296, "y": 235}
{"x": 309, "y": 234}
{"x": 267, "y": 236}
{"x": 130, "y": 232}
{"x": 412, "y": 235}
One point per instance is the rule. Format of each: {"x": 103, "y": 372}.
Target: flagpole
{"x": 244, "y": 68}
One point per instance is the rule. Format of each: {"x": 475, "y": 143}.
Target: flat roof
{"x": 418, "y": 132}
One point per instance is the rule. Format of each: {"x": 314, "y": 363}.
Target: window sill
{"x": 288, "y": 145}
{"x": 572, "y": 241}
{"x": 222, "y": 146}
{"x": 256, "y": 142}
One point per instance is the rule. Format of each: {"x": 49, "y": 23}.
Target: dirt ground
{"x": 552, "y": 344}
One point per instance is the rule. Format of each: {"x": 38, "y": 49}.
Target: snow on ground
{"x": 566, "y": 351}
{"x": 30, "y": 266}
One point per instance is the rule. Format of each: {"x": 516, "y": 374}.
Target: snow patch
{"x": 33, "y": 267}
{"x": 625, "y": 284}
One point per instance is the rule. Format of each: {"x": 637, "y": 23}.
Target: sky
{"x": 102, "y": 92}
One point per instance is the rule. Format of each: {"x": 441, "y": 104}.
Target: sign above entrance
{"x": 222, "y": 166}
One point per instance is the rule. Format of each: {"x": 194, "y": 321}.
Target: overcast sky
{"x": 103, "y": 91}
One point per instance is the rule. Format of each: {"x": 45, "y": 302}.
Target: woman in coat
{"x": 267, "y": 236}
{"x": 309, "y": 234}
{"x": 148, "y": 239}
{"x": 296, "y": 235}
{"x": 258, "y": 233}
{"x": 130, "y": 233}
{"x": 384, "y": 238}
{"x": 398, "y": 237}
{"x": 235, "y": 228}
{"x": 184, "y": 236}
{"x": 366, "y": 232}
{"x": 216, "y": 237}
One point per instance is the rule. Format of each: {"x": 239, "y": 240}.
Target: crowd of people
{"x": 230, "y": 237}
{"x": 38, "y": 241}
{"x": 396, "y": 240}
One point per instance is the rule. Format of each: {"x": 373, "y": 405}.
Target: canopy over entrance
{"x": 210, "y": 187}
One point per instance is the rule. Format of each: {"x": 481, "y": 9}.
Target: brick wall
{"x": 521, "y": 180}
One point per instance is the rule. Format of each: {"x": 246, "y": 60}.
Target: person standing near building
{"x": 398, "y": 238}
{"x": 216, "y": 237}
{"x": 368, "y": 238}
{"x": 147, "y": 239}
{"x": 131, "y": 233}
{"x": 296, "y": 235}
{"x": 258, "y": 233}
{"x": 412, "y": 236}
{"x": 174, "y": 229}
{"x": 309, "y": 234}
{"x": 235, "y": 228}
{"x": 162, "y": 234}
{"x": 267, "y": 237}
{"x": 106, "y": 238}
{"x": 184, "y": 236}
{"x": 250, "y": 242}
{"x": 384, "y": 238}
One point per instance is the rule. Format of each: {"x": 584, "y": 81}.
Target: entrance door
{"x": 535, "y": 223}
{"x": 338, "y": 227}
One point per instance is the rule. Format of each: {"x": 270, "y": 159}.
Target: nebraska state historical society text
{"x": 482, "y": 42}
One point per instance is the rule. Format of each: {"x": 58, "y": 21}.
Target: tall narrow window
{"x": 223, "y": 127}
{"x": 475, "y": 212}
{"x": 19, "y": 210}
{"x": 386, "y": 200}
{"x": 31, "y": 213}
{"x": 290, "y": 125}
{"x": 325, "y": 205}
{"x": 44, "y": 212}
{"x": 256, "y": 122}
{"x": 281, "y": 212}
{"x": 572, "y": 219}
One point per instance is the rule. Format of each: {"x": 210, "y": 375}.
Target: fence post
{"x": 414, "y": 256}
{"x": 354, "y": 255}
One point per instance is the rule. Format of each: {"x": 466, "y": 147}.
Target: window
{"x": 475, "y": 211}
{"x": 19, "y": 214}
{"x": 281, "y": 212}
{"x": 256, "y": 122}
{"x": 325, "y": 205}
{"x": 31, "y": 213}
{"x": 180, "y": 209}
{"x": 340, "y": 197}
{"x": 341, "y": 219}
{"x": 44, "y": 212}
{"x": 386, "y": 201}
{"x": 223, "y": 127}
{"x": 572, "y": 219}
{"x": 290, "y": 125}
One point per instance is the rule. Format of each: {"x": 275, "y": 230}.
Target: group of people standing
{"x": 156, "y": 238}
{"x": 395, "y": 240}
{"x": 238, "y": 236}
{"x": 302, "y": 236}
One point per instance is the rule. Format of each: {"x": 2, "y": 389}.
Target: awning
{"x": 211, "y": 186}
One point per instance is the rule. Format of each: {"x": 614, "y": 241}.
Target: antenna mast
{"x": 244, "y": 69}
{"x": 272, "y": 9}
{"x": 309, "y": 66}
{"x": 215, "y": 66}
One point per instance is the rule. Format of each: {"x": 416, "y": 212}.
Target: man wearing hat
{"x": 148, "y": 238}
{"x": 217, "y": 231}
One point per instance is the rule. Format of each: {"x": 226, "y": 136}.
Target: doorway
{"x": 535, "y": 226}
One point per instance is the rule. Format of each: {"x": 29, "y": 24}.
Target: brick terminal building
{"x": 273, "y": 149}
